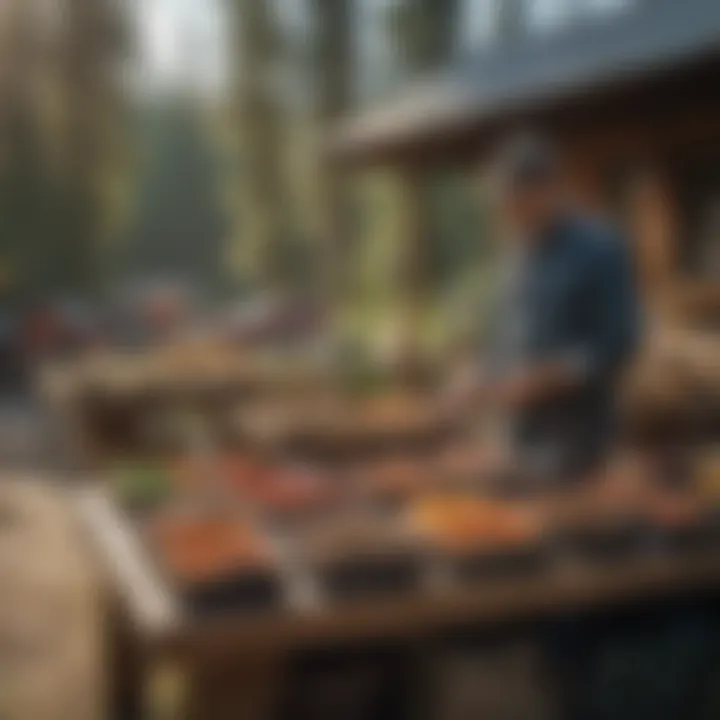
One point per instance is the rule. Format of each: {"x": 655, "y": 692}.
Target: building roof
{"x": 651, "y": 37}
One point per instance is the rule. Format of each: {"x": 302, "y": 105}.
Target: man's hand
{"x": 535, "y": 384}
{"x": 518, "y": 391}
{"x": 464, "y": 390}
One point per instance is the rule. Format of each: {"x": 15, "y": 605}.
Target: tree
{"x": 24, "y": 183}
{"x": 92, "y": 41}
{"x": 178, "y": 228}
{"x": 265, "y": 235}
{"x": 335, "y": 73}
{"x": 424, "y": 34}
{"x": 60, "y": 118}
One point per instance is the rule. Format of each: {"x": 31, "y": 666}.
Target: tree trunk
{"x": 263, "y": 235}
{"x": 334, "y": 69}
{"x": 89, "y": 51}
{"x": 426, "y": 33}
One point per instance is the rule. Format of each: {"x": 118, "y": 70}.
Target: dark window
{"x": 699, "y": 193}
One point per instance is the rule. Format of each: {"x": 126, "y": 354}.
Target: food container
{"x": 599, "y": 533}
{"x": 596, "y": 538}
{"x": 214, "y": 562}
{"x": 603, "y": 518}
{"x": 362, "y": 557}
{"x": 682, "y": 523}
{"x": 477, "y": 538}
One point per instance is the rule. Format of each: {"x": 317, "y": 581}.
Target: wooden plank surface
{"x": 564, "y": 590}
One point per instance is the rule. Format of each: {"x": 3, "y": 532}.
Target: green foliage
{"x": 418, "y": 248}
{"x": 140, "y": 487}
{"x": 25, "y": 199}
{"x": 58, "y": 84}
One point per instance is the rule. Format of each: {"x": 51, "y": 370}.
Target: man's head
{"x": 528, "y": 182}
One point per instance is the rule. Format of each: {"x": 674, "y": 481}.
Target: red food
{"x": 277, "y": 489}
{"x": 288, "y": 491}
{"x": 197, "y": 549}
{"x": 242, "y": 471}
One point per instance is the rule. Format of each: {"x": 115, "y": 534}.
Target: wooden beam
{"x": 656, "y": 231}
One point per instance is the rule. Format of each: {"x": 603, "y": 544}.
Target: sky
{"x": 167, "y": 28}
{"x": 181, "y": 38}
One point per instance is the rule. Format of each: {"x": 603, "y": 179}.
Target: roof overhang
{"x": 527, "y": 79}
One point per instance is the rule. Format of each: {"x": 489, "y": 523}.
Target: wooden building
{"x": 633, "y": 95}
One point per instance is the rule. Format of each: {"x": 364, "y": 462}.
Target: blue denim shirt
{"x": 570, "y": 298}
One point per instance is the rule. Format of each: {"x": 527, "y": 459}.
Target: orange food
{"x": 197, "y": 549}
{"x": 459, "y": 522}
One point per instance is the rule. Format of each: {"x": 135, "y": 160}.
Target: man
{"x": 566, "y": 324}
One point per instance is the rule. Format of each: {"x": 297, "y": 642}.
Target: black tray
{"x": 604, "y": 542}
{"x": 244, "y": 591}
{"x": 693, "y": 538}
{"x": 499, "y": 563}
{"x": 368, "y": 576}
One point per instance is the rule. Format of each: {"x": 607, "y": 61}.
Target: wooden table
{"x": 253, "y": 645}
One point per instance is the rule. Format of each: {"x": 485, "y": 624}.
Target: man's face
{"x": 527, "y": 211}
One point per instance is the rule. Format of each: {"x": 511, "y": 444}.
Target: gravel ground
{"x": 50, "y": 624}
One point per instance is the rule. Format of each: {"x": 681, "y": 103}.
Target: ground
{"x": 50, "y": 639}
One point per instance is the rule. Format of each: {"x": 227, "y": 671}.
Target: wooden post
{"x": 655, "y": 228}
{"x": 412, "y": 270}
{"x": 234, "y": 685}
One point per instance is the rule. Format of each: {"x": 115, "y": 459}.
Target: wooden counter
{"x": 255, "y": 639}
